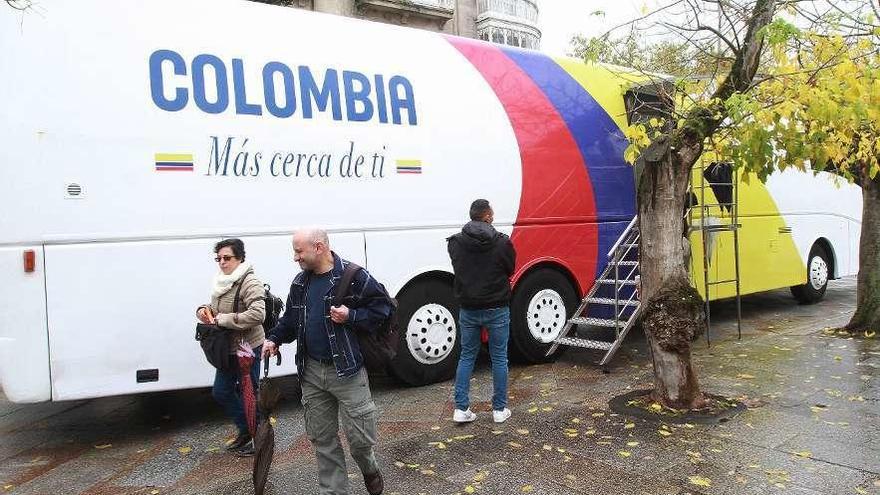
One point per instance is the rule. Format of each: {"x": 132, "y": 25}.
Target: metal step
{"x": 585, "y": 343}
{"x": 612, "y": 281}
{"x": 610, "y": 302}
{"x": 596, "y": 322}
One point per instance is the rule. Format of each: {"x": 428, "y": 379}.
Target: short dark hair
{"x": 235, "y": 244}
{"x": 479, "y": 209}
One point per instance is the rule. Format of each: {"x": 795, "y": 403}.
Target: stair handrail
{"x": 623, "y": 236}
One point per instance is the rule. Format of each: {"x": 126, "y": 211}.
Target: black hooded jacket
{"x": 483, "y": 261}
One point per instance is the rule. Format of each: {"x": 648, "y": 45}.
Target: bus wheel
{"x": 541, "y": 305}
{"x": 818, "y": 272}
{"x": 429, "y": 345}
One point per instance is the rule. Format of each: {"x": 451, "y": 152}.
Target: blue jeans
{"x": 227, "y": 391}
{"x": 471, "y": 321}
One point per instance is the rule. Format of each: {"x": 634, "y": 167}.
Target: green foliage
{"x": 819, "y": 109}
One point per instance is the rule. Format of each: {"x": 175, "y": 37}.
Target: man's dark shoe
{"x": 246, "y": 451}
{"x": 374, "y": 483}
{"x": 240, "y": 441}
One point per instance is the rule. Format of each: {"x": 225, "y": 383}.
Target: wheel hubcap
{"x": 546, "y": 316}
{"x": 818, "y": 272}
{"x": 430, "y": 334}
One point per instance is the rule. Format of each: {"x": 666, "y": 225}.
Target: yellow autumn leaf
{"x": 805, "y": 454}
{"x": 522, "y": 431}
{"x": 469, "y": 489}
{"x": 428, "y": 472}
{"x": 629, "y": 426}
{"x": 870, "y": 334}
{"x": 576, "y": 420}
{"x": 664, "y": 433}
{"x": 624, "y": 453}
{"x": 533, "y": 410}
{"x": 185, "y": 450}
{"x": 514, "y": 445}
{"x": 272, "y": 420}
{"x": 154, "y": 492}
{"x": 631, "y": 444}
{"x": 527, "y": 489}
{"x": 480, "y": 476}
{"x": 546, "y": 447}
{"x": 656, "y": 407}
{"x": 700, "y": 481}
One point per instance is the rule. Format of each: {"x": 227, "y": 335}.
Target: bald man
{"x": 329, "y": 361}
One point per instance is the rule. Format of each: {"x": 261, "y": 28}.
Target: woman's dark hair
{"x": 235, "y": 244}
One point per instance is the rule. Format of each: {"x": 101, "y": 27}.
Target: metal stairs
{"x": 612, "y": 302}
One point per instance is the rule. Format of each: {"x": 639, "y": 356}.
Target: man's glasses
{"x": 225, "y": 257}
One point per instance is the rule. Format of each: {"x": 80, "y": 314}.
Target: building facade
{"x": 509, "y": 22}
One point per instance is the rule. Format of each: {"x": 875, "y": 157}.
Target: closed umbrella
{"x": 264, "y": 440}
{"x": 246, "y": 358}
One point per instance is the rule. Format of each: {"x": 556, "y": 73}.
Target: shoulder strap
{"x": 345, "y": 283}
{"x": 237, "y": 293}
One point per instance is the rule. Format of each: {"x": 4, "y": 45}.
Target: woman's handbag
{"x": 215, "y": 341}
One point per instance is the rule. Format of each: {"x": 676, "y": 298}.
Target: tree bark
{"x": 670, "y": 327}
{"x": 867, "y": 315}
{"x": 672, "y": 313}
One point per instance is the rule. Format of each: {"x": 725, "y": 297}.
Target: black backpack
{"x": 380, "y": 346}
{"x": 273, "y": 309}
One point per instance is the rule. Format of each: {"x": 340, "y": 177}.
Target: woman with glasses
{"x": 243, "y": 323}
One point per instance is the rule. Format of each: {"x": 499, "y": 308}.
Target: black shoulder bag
{"x": 215, "y": 342}
{"x": 378, "y": 347}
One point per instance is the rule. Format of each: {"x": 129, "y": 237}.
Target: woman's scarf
{"x": 222, "y": 282}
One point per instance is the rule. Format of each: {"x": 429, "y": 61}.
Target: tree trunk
{"x": 673, "y": 315}
{"x": 867, "y": 316}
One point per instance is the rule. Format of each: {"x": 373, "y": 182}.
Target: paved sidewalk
{"x": 812, "y": 426}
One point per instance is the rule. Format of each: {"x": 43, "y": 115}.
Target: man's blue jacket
{"x": 369, "y": 306}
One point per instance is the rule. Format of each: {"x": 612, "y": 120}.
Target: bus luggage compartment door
{"x": 24, "y": 348}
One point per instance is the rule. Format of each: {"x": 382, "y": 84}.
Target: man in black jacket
{"x": 483, "y": 260}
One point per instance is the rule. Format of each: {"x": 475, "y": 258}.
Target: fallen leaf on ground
{"x": 469, "y": 489}
{"x": 624, "y": 453}
{"x": 700, "y": 481}
{"x": 103, "y": 446}
{"x": 185, "y": 450}
{"x": 527, "y": 489}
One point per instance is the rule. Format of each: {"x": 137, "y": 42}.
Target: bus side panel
{"x": 116, "y": 308}
{"x": 807, "y": 228}
{"x": 24, "y": 348}
{"x": 855, "y": 234}
{"x": 396, "y": 257}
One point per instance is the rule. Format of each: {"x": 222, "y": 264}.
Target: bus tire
{"x": 429, "y": 343}
{"x": 818, "y": 273}
{"x": 541, "y": 304}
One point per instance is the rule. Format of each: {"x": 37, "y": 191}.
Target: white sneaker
{"x": 501, "y": 416}
{"x": 460, "y": 416}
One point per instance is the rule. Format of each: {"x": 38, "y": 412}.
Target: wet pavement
{"x": 812, "y": 427}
